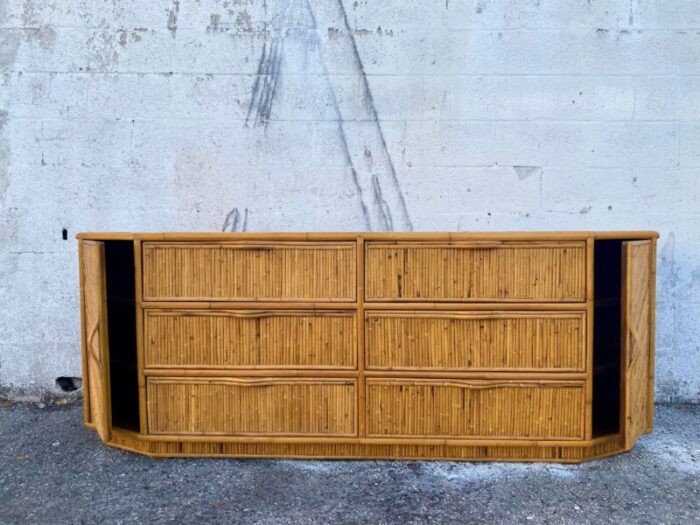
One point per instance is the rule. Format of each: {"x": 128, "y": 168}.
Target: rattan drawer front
{"x": 443, "y": 340}
{"x": 252, "y": 406}
{"x": 249, "y": 271}
{"x": 250, "y": 339}
{"x": 453, "y": 408}
{"x": 506, "y": 271}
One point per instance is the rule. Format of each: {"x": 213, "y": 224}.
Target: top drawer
{"x": 249, "y": 271}
{"x": 476, "y": 271}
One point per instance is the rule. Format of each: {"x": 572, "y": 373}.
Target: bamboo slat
{"x": 544, "y": 410}
{"x": 463, "y": 341}
{"x": 249, "y": 271}
{"x": 140, "y": 353}
{"x": 250, "y": 339}
{"x": 361, "y": 394}
{"x": 589, "y": 349}
{"x": 502, "y": 271}
{"x": 271, "y": 406}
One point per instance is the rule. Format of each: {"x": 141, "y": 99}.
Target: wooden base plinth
{"x": 598, "y": 448}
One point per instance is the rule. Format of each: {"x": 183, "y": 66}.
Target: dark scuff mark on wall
{"x": 122, "y": 34}
{"x": 393, "y": 179}
{"x": 214, "y": 21}
{"x": 630, "y": 19}
{"x": 233, "y": 222}
{"x": 377, "y": 185}
{"x": 172, "y": 18}
{"x": 268, "y": 72}
{"x": 386, "y": 212}
{"x": 265, "y": 86}
{"x": 4, "y": 156}
{"x": 341, "y": 133}
{"x": 343, "y": 137}
{"x": 669, "y": 278}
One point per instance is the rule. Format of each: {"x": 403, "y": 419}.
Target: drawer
{"x": 442, "y": 340}
{"x": 473, "y": 271}
{"x": 450, "y": 408}
{"x": 249, "y": 271}
{"x": 252, "y": 406}
{"x": 249, "y": 339}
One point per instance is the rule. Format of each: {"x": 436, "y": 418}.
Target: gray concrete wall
{"x": 341, "y": 115}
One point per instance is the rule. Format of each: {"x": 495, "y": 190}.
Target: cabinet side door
{"x": 96, "y": 352}
{"x": 637, "y": 344}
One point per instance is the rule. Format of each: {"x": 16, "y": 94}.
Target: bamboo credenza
{"x": 468, "y": 346}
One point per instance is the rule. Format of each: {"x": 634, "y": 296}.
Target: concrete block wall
{"x": 341, "y": 115}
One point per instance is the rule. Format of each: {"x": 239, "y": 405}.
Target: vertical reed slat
{"x": 272, "y": 406}
{"x": 507, "y": 409}
{"x": 505, "y": 272}
{"x": 254, "y": 339}
{"x": 447, "y": 340}
{"x": 253, "y": 271}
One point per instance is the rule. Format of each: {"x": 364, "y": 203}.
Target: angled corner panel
{"x": 637, "y": 345}
{"x": 96, "y": 337}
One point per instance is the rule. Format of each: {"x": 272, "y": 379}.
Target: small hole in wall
{"x": 69, "y": 384}
{"x": 65, "y": 234}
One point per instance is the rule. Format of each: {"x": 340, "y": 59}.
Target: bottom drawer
{"x": 252, "y": 406}
{"x": 453, "y": 408}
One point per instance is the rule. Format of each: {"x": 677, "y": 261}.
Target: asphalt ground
{"x": 53, "y": 470}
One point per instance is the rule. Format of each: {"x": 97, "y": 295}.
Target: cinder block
{"x": 658, "y": 14}
{"x": 476, "y": 190}
{"x": 412, "y": 97}
{"x": 507, "y": 97}
{"x": 667, "y": 98}
{"x": 485, "y": 14}
{"x": 689, "y": 144}
{"x": 369, "y": 16}
{"x": 561, "y": 52}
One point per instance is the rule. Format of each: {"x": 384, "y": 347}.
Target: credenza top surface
{"x": 370, "y": 236}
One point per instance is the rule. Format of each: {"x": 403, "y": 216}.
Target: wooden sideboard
{"x": 461, "y": 346}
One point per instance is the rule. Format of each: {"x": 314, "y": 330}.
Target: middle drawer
{"x": 454, "y": 341}
{"x": 250, "y": 339}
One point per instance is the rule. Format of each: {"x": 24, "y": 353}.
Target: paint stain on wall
{"x": 102, "y": 48}
{"x": 44, "y": 36}
{"x": 243, "y": 21}
{"x": 525, "y": 172}
{"x": 9, "y": 47}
